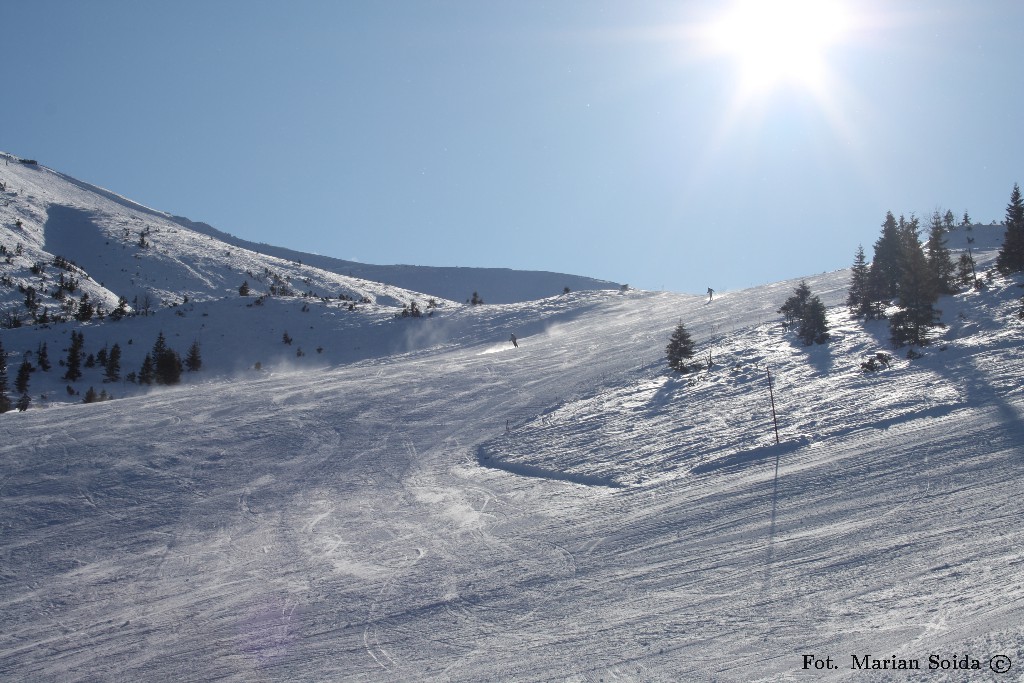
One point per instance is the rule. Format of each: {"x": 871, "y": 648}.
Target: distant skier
{"x": 514, "y": 342}
{"x": 711, "y": 294}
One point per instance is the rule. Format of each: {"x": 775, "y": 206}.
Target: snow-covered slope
{"x": 121, "y": 248}
{"x": 971, "y": 361}
{"x": 338, "y": 524}
{"x": 186, "y": 276}
{"x": 416, "y": 499}
{"x": 496, "y": 285}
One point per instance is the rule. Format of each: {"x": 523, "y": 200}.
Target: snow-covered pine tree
{"x": 680, "y": 348}
{"x": 1011, "y": 254}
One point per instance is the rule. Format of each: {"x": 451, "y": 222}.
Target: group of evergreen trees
{"x": 163, "y": 365}
{"x": 20, "y": 384}
{"x": 904, "y": 269}
{"x": 807, "y": 310}
{"x": 915, "y": 275}
{"x": 5, "y": 400}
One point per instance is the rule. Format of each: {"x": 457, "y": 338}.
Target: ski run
{"x": 420, "y": 500}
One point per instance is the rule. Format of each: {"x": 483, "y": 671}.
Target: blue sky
{"x": 609, "y": 139}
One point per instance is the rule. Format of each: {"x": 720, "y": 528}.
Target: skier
{"x": 711, "y": 294}
{"x": 514, "y": 342}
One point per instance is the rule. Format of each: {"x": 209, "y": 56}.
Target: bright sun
{"x": 779, "y": 43}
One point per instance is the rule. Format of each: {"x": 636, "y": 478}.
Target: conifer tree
{"x": 948, "y": 220}
{"x": 965, "y": 269}
{"x": 918, "y": 292}
{"x": 5, "y": 401}
{"x": 21, "y": 381}
{"x": 146, "y": 371}
{"x": 680, "y": 348}
{"x": 813, "y": 323}
{"x": 1011, "y": 254}
{"x": 112, "y": 372}
{"x": 859, "y": 297}
{"x": 85, "y": 309}
{"x": 121, "y": 310}
{"x": 168, "y": 367}
{"x": 193, "y": 361}
{"x": 966, "y": 220}
{"x": 74, "y": 361}
{"x": 910, "y": 240}
{"x": 940, "y": 262}
{"x": 886, "y": 265}
{"x": 166, "y": 362}
{"x": 160, "y": 345}
{"x": 43, "y": 357}
{"x": 807, "y": 310}
{"x": 24, "y": 401}
{"x": 793, "y": 308}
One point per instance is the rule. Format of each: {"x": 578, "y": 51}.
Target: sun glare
{"x": 783, "y": 42}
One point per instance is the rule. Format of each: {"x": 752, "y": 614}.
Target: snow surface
{"x": 437, "y": 505}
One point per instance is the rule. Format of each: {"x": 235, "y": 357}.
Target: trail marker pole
{"x": 771, "y": 394}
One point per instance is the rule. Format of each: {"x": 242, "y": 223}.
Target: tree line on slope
{"x": 915, "y": 275}
{"x": 904, "y": 271}
{"x": 163, "y": 365}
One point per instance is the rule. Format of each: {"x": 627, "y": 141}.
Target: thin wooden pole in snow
{"x": 771, "y": 394}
